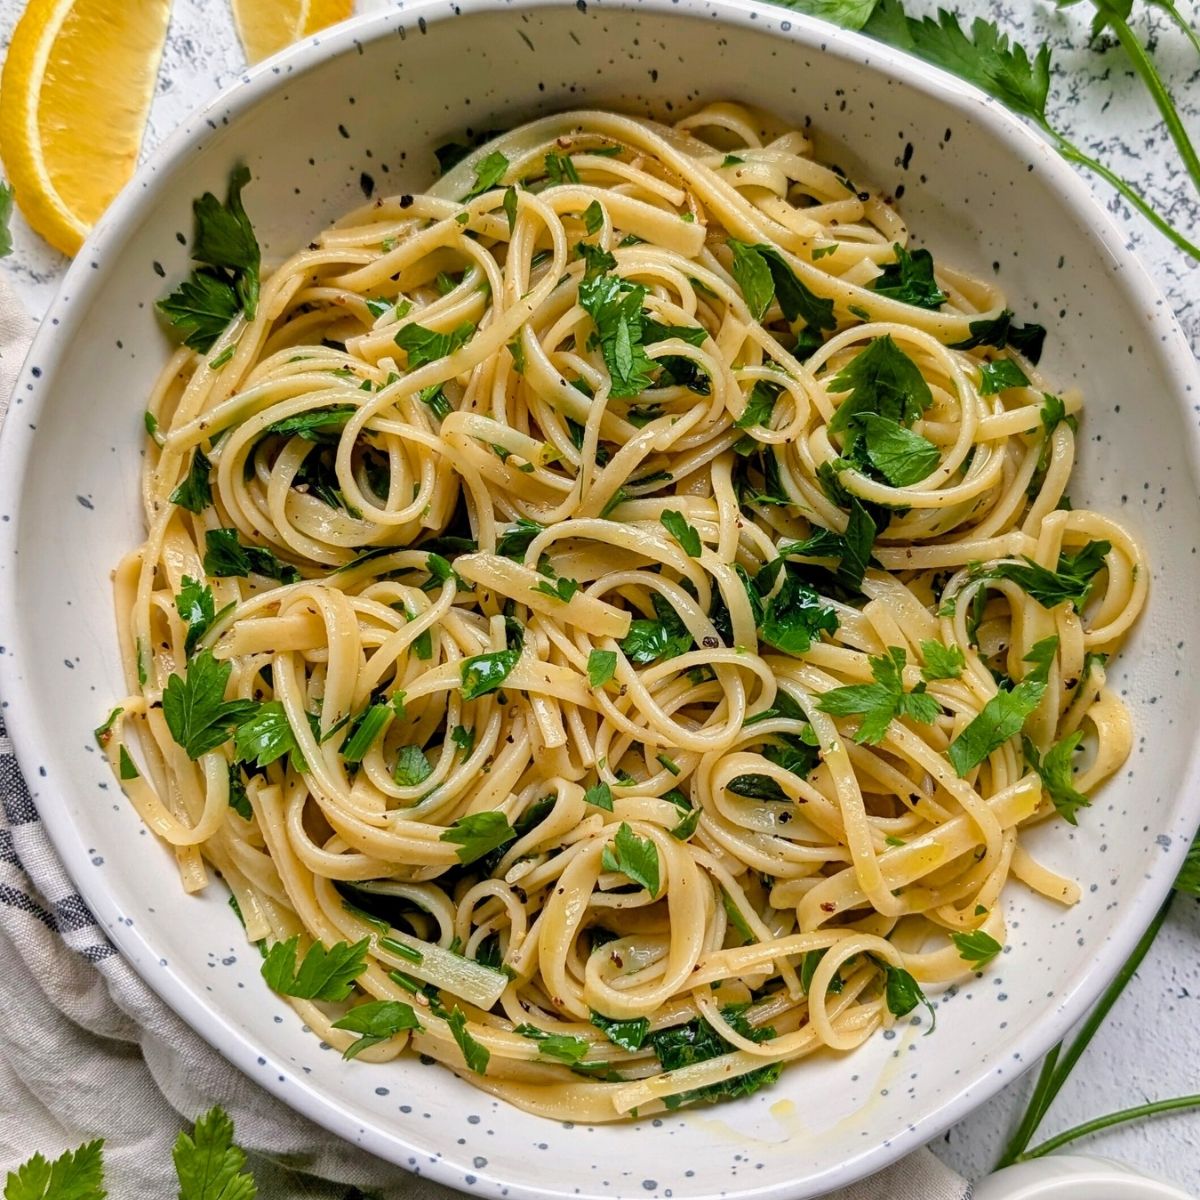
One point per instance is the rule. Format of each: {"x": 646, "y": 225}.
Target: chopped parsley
{"x": 976, "y": 947}
{"x": 325, "y": 973}
{"x": 883, "y": 701}
{"x": 910, "y": 279}
{"x": 486, "y": 672}
{"x": 375, "y": 1022}
{"x": 1005, "y": 714}
{"x": 226, "y": 281}
{"x": 634, "y": 857}
{"x": 194, "y": 706}
{"x": 1057, "y": 776}
{"x": 195, "y": 492}
{"x": 478, "y": 834}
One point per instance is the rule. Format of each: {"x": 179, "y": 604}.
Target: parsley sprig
{"x": 226, "y": 281}
{"x": 985, "y": 57}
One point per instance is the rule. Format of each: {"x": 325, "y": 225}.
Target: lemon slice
{"x": 267, "y": 26}
{"x": 74, "y": 97}
{"x": 323, "y": 13}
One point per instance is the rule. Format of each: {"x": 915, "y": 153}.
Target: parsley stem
{"x": 1143, "y": 64}
{"x": 1178, "y": 18}
{"x": 1073, "y": 154}
{"x": 1055, "y": 1070}
{"x": 1117, "y": 1118}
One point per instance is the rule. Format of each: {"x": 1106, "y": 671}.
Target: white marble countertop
{"x": 1150, "y": 1047}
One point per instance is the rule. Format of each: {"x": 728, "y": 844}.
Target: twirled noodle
{"x": 548, "y": 558}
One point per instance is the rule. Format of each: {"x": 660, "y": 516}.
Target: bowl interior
{"x": 318, "y": 129}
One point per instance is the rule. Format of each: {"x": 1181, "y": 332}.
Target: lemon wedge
{"x": 74, "y": 97}
{"x": 267, "y": 26}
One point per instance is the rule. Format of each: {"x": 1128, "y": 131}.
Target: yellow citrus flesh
{"x": 74, "y": 98}
{"x": 323, "y": 13}
{"x": 267, "y": 26}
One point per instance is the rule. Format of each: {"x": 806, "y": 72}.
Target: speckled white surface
{"x": 1151, "y": 1045}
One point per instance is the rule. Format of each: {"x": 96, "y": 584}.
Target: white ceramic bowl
{"x": 1074, "y": 1177}
{"x": 372, "y": 99}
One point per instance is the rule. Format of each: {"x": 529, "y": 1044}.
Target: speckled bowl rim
{"x": 62, "y": 323}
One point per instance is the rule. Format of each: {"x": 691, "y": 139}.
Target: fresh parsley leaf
{"x": 795, "y": 616}
{"x": 376, "y": 1021}
{"x": 488, "y": 173}
{"x": 196, "y": 711}
{"x": 1002, "y": 332}
{"x": 597, "y": 260}
{"x": 647, "y": 640}
{"x": 593, "y": 217}
{"x": 486, "y": 672}
{"x": 910, "y": 279}
{"x": 881, "y": 702}
{"x": 226, "y": 556}
{"x": 474, "y": 1054}
{"x": 601, "y": 667}
{"x": 1057, "y": 775}
{"x": 201, "y": 307}
{"x": 127, "y": 769}
{"x": 227, "y": 281}
{"x": 734, "y": 914}
{"x": 224, "y": 238}
{"x": 687, "y": 826}
{"x": 197, "y": 609}
{"x": 75, "y": 1175}
{"x": 239, "y": 800}
{"x": 985, "y": 58}
{"x": 941, "y": 662}
{"x": 1071, "y": 583}
{"x": 795, "y": 299}
{"x": 314, "y": 423}
{"x": 881, "y": 380}
{"x": 463, "y": 738}
{"x": 615, "y": 307}
{"x": 425, "y": 345}
{"x": 514, "y": 541}
{"x": 412, "y": 766}
{"x": 760, "y": 404}
{"x": 629, "y": 1034}
{"x": 635, "y": 857}
{"x": 324, "y": 974}
{"x": 1001, "y": 374}
{"x": 265, "y": 736}
{"x": 976, "y": 947}
{"x": 478, "y": 834}
{"x": 753, "y": 277}
{"x": 557, "y": 589}
{"x": 368, "y": 727}
{"x": 903, "y": 993}
{"x": 683, "y": 1045}
{"x": 899, "y": 455}
{"x": 208, "y": 1165}
{"x": 1005, "y": 714}
{"x": 195, "y": 493}
{"x": 560, "y": 169}
{"x": 676, "y": 524}
{"x": 600, "y": 795}
{"x": 564, "y": 1047}
{"x": 852, "y": 549}
{"x": 849, "y": 14}
{"x": 510, "y": 207}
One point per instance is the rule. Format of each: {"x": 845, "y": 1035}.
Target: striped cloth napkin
{"x": 87, "y": 1050}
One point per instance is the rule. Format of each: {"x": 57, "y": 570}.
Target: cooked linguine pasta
{"x": 609, "y": 619}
